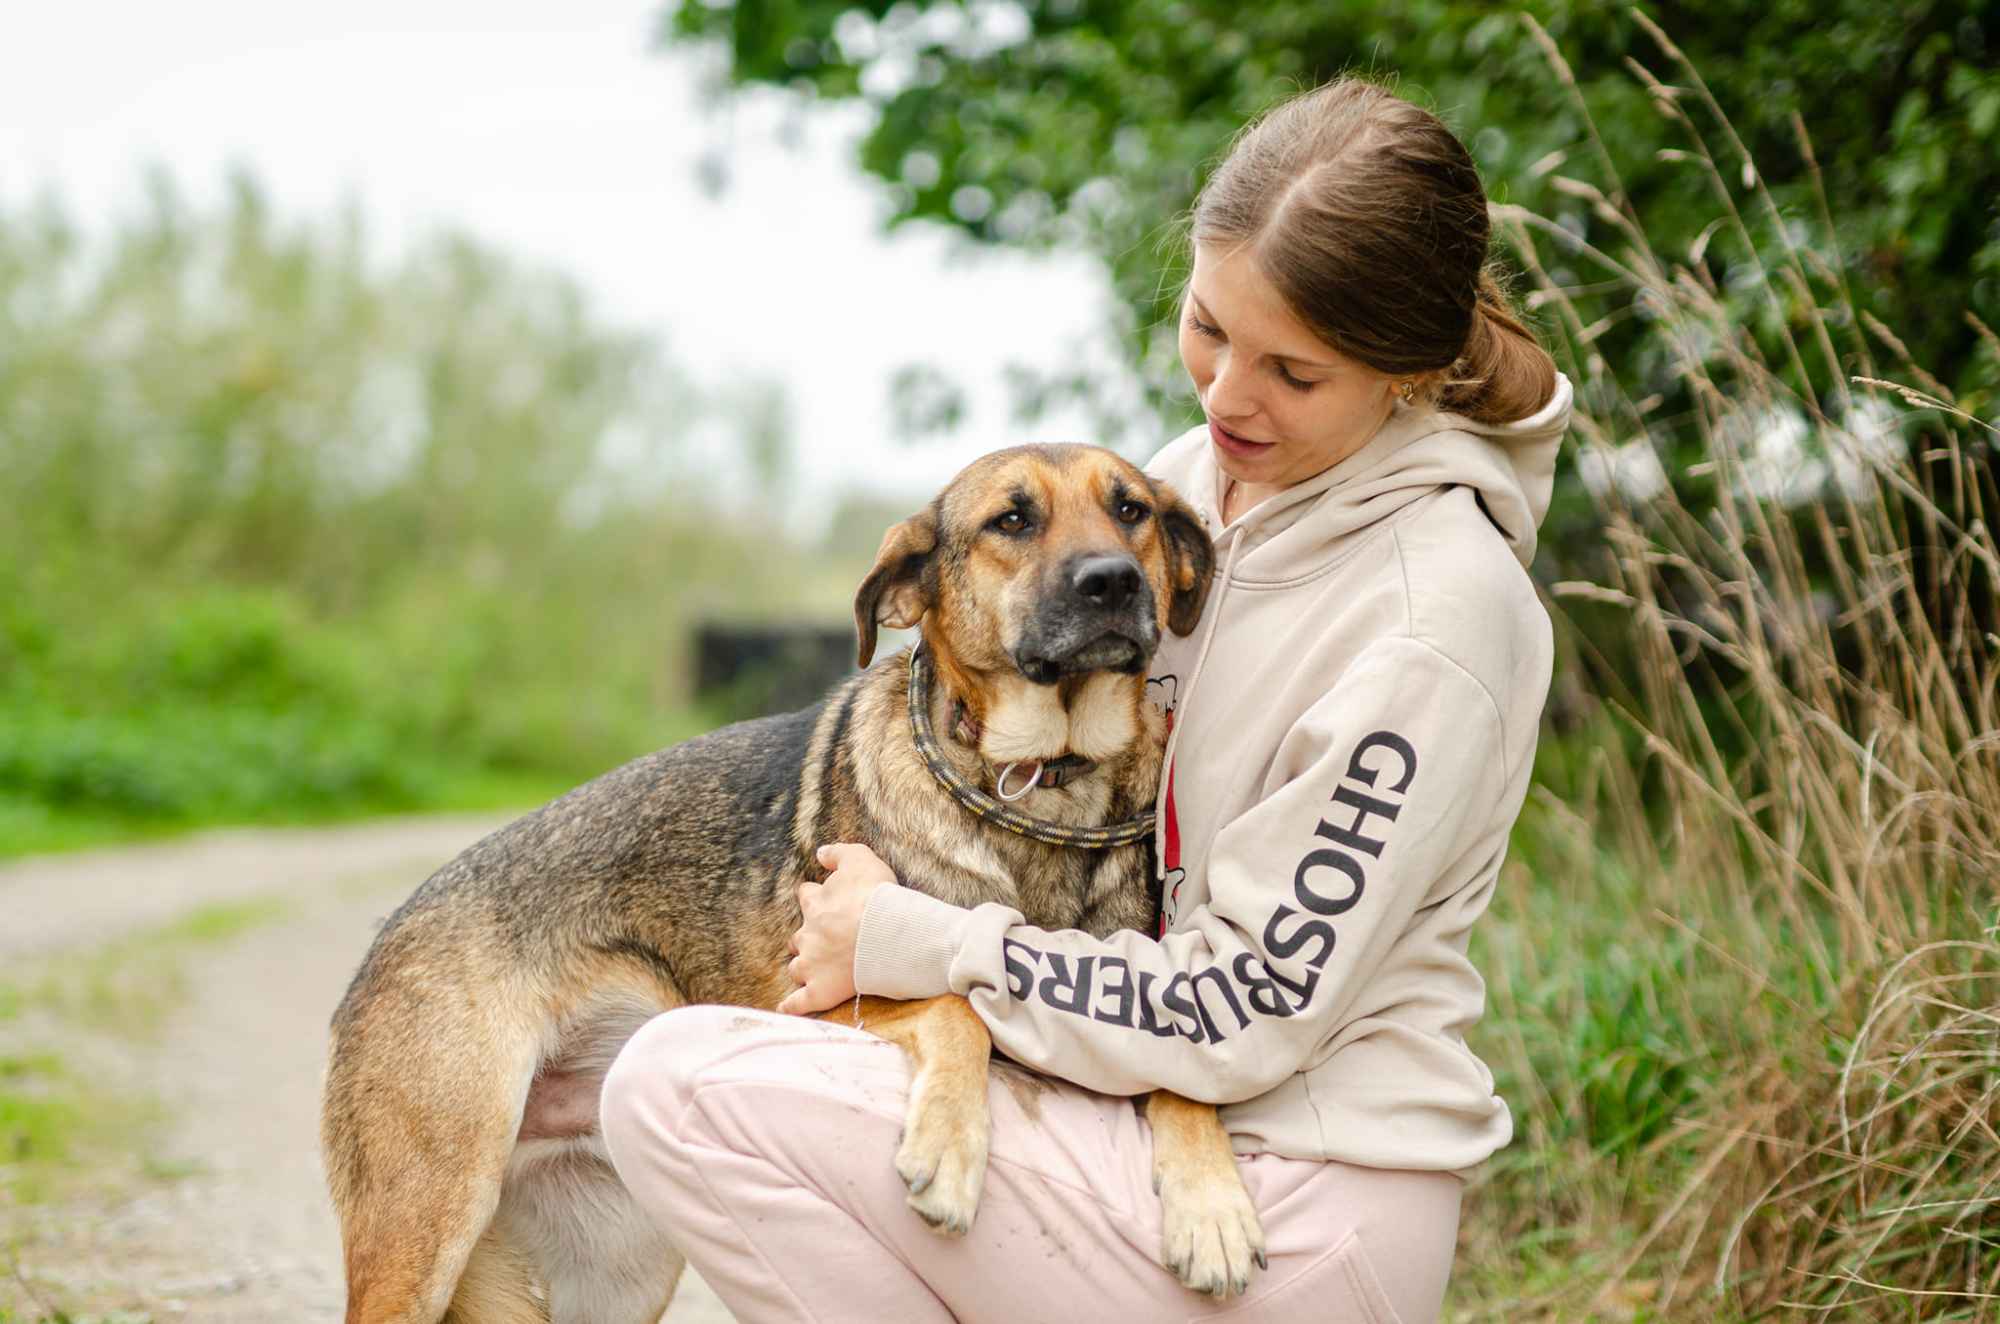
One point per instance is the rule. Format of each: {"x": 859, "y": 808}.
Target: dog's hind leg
{"x": 946, "y": 1129}
{"x": 408, "y": 1243}
{"x": 415, "y": 1157}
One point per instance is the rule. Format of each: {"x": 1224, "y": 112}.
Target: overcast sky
{"x": 559, "y": 133}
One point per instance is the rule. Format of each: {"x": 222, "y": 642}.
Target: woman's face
{"x": 1281, "y": 404}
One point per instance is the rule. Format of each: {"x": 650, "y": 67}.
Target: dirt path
{"x": 241, "y": 1231}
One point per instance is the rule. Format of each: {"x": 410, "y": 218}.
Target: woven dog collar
{"x": 986, "y": 806}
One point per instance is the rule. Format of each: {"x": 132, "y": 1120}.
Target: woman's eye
{"x": 1011, "y": 522}
{"x": 1204, "y": 328}
{"x": 1295, "y": 383}
{"x": 1130, "y": 512}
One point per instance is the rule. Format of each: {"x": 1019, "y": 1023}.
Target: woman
{"x": 1354, "y": 723}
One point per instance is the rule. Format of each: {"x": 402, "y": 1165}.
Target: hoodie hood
{"x": 1510, "y": 466}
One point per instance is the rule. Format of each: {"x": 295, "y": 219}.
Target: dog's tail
{"x": 429, "y": 1067}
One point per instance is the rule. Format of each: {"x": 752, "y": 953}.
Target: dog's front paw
{"x": 1212, "y": 1236}
{"x": 942, "y": 1158}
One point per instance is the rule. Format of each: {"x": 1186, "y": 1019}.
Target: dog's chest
{"x": 1099, "y": 891}
{"x": 1056, "y": 894}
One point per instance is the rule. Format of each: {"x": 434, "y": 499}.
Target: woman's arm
{"x": 1383, "y": 800}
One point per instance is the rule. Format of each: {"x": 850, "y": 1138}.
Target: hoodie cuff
{"x": 907, "y": 943}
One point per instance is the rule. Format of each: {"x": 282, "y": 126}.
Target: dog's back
{"x": 678, "y": 841}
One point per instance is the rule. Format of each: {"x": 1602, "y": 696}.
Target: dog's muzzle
{"x": 1100, "y": 617}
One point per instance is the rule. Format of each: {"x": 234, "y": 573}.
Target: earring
{"x": 1408, "y": 390}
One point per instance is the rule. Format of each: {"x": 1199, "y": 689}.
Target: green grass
{"x": 43, "y": 1116}
{"x": 212, "y": 705}
{"x": 59, "y": 1128}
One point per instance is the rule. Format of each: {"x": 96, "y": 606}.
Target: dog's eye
{"x": 1012, "y": 521}
{"x": 1131, "y": 512}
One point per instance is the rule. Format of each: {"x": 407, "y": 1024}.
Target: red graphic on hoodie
{"x": 1174, "y": 873}
{"x": 1163, "y": 691}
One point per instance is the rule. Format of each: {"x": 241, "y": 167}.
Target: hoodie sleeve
{"x": 1382, "y": 801}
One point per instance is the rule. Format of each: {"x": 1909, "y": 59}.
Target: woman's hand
{"x": 823, "y": 947}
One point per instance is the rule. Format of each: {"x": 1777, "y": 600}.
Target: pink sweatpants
{"x": 765, "y": 1143}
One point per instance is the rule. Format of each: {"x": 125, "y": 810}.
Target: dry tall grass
{"x": 1750, "y": 1006}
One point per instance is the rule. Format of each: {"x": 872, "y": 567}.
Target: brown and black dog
{"x": 460, "y": 1118}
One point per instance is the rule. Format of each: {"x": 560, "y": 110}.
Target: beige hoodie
{"x": 1354, "y": 726}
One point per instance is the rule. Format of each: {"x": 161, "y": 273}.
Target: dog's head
{"x": 1039, "y": 567}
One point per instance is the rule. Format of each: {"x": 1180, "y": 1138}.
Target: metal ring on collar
{"x": 1000, "y": 782}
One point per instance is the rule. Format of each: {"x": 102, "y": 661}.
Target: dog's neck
{"x": 967, "y": 730}
{"x": 1061, "y": 731}
{"x": 960, "y": 768}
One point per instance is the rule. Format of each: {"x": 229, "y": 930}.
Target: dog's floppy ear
{"x": 1190, "y": 559}
{"x": 894, "y": 593}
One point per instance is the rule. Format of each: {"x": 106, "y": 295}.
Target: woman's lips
{"x": 1241, "y": 447}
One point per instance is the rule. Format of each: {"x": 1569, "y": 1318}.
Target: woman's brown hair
{"x": 1368, "y": 216}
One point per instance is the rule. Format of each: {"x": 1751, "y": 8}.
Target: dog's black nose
{"x": 1106, "y": 581}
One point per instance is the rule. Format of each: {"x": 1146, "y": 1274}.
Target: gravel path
{"x": 246, "y": 1235}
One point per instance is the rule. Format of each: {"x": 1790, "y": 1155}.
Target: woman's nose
{"x": 1229, "y": 393}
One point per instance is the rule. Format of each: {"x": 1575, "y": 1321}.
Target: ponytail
{"x": 1503, "y": 373}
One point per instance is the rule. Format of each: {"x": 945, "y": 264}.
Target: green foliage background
{"x": 292, "y": 531}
